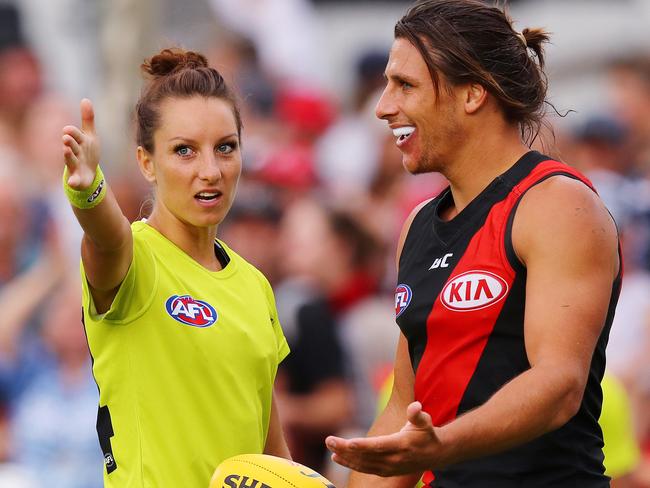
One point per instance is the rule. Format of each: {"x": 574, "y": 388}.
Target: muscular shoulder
{"x": 563, "y": 215}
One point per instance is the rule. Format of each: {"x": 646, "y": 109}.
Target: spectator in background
{"x": 630, "y": 94}
{"x": 285, "y": 33}
{"x": 314, "y": 394}
{"x": 20, "y": 77}
{"x": 52, "y": 395}
{"x": 44, "y": 374}
{"x": 28, "y": 239}
{"x": 302, "y": 115}
{"x": 332, "y": 263}
{"x": 17, "y": 245}
{"x": 597, "y": 150}
{"x": 29, "y": 269}
{"x": 238, "y": 56}
{"x": 348, "y": 153}
{"x": 45, "y": 116}
{"x": 252, "y": 227}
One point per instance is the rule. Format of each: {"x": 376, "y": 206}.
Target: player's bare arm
{"x": 107, "y": 245}
{"x": 560, "y": 230}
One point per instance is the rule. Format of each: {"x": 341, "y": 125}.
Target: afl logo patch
{"x": 403, "y": 295}
{"x": 189, "y": 311}
{"x": 473, "y": 290}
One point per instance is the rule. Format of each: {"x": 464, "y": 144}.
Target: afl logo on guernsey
{"x": 189, "y": 311}
{"x": 403, "y": 295}
{"x": 473, "y": 290}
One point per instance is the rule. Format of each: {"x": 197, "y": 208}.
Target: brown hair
{"x": 471, "y": 42}
{"x": 181, "y": 74}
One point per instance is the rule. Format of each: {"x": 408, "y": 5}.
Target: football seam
{"x": 267, "y": 469}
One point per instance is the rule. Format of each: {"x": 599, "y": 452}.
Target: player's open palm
{"x": 411, "y": 449}
{"x": 81, "y": 149}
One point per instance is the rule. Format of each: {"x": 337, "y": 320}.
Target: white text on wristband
{"x": 89, "y": 197}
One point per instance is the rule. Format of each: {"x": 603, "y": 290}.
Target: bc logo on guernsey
{"x": 473, "y": 290}
{"x": 403, "y": 295}
{"x": 190, "y": 311}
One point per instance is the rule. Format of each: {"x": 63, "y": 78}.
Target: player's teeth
{"x": 403, "y": 132}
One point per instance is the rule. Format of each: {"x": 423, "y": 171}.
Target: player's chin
{"x": 209, "y": 219}
{"x": 211, "y": 215}
{"x": 412, "y": 165}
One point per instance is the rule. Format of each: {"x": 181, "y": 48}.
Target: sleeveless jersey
{"x": 185, "y": 361}
{"x": 460, "y": 304}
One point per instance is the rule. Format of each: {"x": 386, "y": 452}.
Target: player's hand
{"x": 81, "y": 149}
{"x": 411, "y": 450}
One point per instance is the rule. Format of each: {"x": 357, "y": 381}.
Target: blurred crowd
{"x": 319, "y": 209}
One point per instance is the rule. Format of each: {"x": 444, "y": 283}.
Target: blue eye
{"x": 183, "y": 151}
{"x": 227, "y": 147}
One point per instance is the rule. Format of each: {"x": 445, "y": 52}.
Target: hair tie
{"x": 521, "y": 36}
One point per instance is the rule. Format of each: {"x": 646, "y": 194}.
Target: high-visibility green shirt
{"x": 185, "y": 361}
{"x": 621, "y": 450}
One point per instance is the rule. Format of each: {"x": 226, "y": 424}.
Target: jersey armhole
{"x": 511, "y": 255}
{"x": 406, "y": 229}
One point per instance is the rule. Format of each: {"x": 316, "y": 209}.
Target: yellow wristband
{"x": 91, "y": 196}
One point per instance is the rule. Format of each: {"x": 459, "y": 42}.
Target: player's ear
{"x": 147, "y": 167}
{"x": 475, "y": 97}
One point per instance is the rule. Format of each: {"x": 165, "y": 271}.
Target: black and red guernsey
{"x": 460, "y": 304}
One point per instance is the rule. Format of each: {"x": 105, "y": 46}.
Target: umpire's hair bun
{"x": 169, "y": 61}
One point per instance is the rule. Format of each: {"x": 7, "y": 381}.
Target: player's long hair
{"x": 176, "y": 73}
{"x": 468, "y": 41}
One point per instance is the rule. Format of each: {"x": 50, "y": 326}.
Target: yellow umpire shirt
{"x": 185, "y": 361}
{"x": 621, "y": 450}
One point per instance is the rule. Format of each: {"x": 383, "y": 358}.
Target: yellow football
{"x": 264, "y": 471}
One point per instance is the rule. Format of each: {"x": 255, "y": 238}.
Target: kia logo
{"x": 473, "y": 290}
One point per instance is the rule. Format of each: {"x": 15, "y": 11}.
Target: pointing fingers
{"x": 71, "y": 143}
{"x": 87, "y": 116}
{"x": 81, "y": 148}
{"x": 74, "y": 132}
